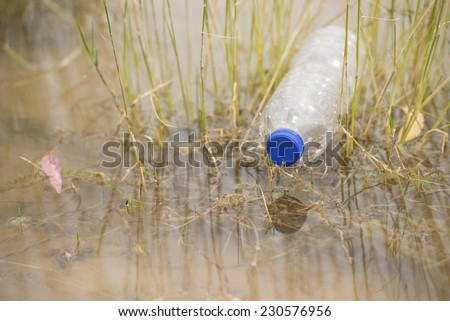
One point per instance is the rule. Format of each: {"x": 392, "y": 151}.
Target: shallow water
{"x": 337, "y": 235}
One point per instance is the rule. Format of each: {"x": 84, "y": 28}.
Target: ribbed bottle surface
{"x": 307, "y": 99}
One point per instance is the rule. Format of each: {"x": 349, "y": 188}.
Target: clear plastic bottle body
{"x": 307, "y": 99}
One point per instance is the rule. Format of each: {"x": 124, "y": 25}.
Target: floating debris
{"x": 52, "y": 168}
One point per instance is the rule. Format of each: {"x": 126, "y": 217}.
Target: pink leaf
{"x": 52, "y": 169}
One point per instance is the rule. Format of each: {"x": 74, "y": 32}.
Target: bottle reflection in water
{"x": 288, "y": 214}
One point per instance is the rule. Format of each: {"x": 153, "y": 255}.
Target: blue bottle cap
{"x": 284, "y": 147}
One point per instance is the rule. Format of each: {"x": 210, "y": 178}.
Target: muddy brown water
{"x": 335, "y": 235}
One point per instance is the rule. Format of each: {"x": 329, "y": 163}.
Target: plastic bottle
{"x": 306, "y": 103}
